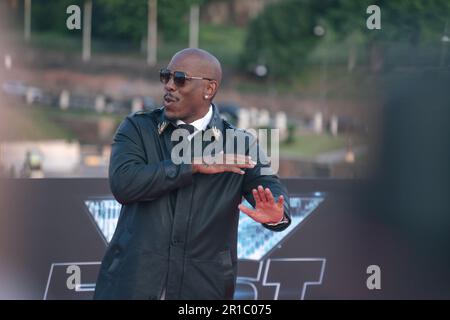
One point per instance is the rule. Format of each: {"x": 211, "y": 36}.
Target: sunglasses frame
{"x": 183, "y": 76}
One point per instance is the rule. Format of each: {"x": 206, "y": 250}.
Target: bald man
{"x": 176, "y": 237}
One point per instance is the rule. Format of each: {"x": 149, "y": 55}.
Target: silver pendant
{"x": 216, "y": 133}
{"x": 162, "y": 126}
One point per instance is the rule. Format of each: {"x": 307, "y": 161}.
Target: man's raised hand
{"x": 266, "y": 209}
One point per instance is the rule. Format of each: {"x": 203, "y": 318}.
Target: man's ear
{"x": 211, "y": 88}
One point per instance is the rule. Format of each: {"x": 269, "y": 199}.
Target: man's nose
{"x": 170, "y": 86}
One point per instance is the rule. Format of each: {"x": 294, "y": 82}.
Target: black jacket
{"x": 176, "y": 229}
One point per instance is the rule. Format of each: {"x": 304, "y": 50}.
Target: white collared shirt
{"x": 199, "y": 124}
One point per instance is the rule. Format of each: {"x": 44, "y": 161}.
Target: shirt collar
{"x": 202, "y": 123}
{"x": 214, "y": 123}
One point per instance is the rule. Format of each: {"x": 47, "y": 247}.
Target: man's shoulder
{"x": 141, "y": 119}
{"x": 227, "y": 125}
{"x": 147, "y": 113}
{"x": 145, "y": 116}
{"x": 237, "y": 131}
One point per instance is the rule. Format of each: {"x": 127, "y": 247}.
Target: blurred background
{"x": 363, "y": 114}
{"x": 310, "y": 68}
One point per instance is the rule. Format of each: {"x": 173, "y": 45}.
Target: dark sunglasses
{"x": 179, "y": 77}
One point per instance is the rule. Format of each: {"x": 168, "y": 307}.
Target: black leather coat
{"x": 176, "y": 230}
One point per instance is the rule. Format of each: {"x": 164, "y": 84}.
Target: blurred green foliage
{"x": 283, "y": 36}
{"x": 117, "y": 19}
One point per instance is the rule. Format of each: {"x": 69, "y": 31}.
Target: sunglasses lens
{"x": 164, "y": 75}
{"x": 179, "y": 78}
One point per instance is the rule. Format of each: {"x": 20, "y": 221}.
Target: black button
{"x": 176, "y": 241}
{"x": 171, "y": 170}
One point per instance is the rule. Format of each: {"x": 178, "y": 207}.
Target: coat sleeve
{"x": 253, "y": 178}
{"x": 131, "y": 178}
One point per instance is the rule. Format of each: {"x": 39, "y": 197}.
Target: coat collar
{"x": 216, "y": 122}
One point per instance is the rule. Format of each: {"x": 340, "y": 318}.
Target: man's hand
{"x": 266, "y": 209}
{"x": 226, "y": 163}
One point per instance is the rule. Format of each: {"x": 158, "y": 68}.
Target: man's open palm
{"x": 266, "y": 209}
